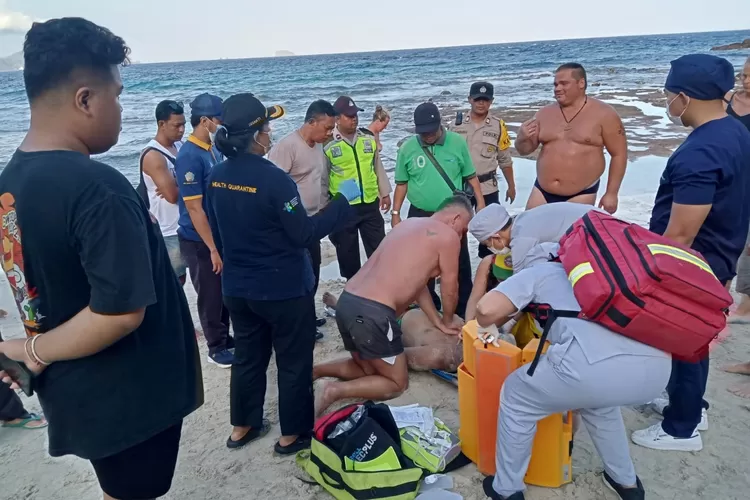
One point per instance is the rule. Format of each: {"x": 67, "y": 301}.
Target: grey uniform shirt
{"x": 543, "y": 224}
{"x": 547, "y": 283}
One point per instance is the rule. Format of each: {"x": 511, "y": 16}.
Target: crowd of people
{"x": 99, "y": 274}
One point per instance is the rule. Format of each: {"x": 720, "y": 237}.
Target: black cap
{"x": 344, "y": 105}
{"x": 482, "y": 90}
{"x": 426, "y": 118}
{"x": 243, "y": 112}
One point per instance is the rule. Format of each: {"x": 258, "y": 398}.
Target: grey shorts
{"x": 368, "y": 328}
{"x": 175, "y": 256}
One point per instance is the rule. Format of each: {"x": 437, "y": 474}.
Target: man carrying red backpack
{"x": 701, "y": 203}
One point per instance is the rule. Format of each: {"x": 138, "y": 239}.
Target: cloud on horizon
{"x": 13, "y": 22}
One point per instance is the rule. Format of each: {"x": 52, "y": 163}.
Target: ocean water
{"x": 521, "y": 72}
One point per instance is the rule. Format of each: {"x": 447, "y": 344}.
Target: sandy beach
{"x": 207, "y": 470}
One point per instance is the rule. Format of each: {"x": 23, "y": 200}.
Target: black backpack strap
{"x": 439, "y": 169}
{"x": 546, "y": 315}
{"x": 141, "y": 188}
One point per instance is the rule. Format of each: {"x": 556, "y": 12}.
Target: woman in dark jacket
{"x": 262, "y": 232}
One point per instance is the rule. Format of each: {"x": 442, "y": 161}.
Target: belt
{"x": 487, "y": 177}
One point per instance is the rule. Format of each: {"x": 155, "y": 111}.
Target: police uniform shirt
{"x": 489, "y": 145}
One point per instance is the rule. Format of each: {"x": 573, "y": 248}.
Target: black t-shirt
{"x": 76, "y": 234}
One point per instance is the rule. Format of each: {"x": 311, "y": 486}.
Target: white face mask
{"x": 677, "y": 120}
{"x": 212, "y": 135}
{"x": 503, "y": 251}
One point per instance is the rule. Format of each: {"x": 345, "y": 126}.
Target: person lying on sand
{"x": 394, "y": 277}
{"x": 425, "y": 345}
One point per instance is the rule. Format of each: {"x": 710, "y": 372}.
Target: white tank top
{"x": 166, "y": 213}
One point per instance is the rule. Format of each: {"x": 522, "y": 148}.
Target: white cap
{"x": 488, "y": 221}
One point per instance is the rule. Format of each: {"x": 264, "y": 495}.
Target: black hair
{"x": 195, "y": 120}
{"x": 54, "y": 50}
{"x": 232, "y": 145}
{"x": 457, "y": 200}
{"x": 318, "y": 109}
{"x": 165, "y": 110}
{"x": 578, "y": 71}
{"x": 509, "y": 223}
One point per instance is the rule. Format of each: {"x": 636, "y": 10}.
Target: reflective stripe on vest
{"x": 354, "y": 162}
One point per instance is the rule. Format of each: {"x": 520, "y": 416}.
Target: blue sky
{"x": 160, "y": 30}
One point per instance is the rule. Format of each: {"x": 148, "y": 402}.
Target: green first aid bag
{"x": 365, "y": 462}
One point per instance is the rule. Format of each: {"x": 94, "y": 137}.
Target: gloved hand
{"x": 350, "y": 189}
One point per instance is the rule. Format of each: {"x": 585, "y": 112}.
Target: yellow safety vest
{"x": 354, "y": 162}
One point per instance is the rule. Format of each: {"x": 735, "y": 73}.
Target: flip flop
{"x": 251, "y": 436}
{"x": 24, "y": 423}
{"x": 291, "y": 449}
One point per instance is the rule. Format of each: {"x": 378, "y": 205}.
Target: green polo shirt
{"x": 426, "y": 187}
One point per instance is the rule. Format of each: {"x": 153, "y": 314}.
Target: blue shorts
{"x": 175, "y": 256}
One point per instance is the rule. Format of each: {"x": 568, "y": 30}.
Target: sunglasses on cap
{"x": 176, "y": 107}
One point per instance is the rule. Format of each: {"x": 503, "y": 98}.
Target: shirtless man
{"x": 573, "y": 134}
{"x": 393, "y": 278}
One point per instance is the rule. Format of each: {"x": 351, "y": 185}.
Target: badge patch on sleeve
{"x": 367, "y": 146}
{"x": 291, "y": 205}
{"x": 336, "y": 151}
{"x": 189, "y": 178}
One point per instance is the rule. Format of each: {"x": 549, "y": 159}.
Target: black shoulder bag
{"x": 467, "y": 189}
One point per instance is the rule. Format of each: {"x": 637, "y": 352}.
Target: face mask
{"x": 677, "y": 120}
{"x": 503, "y": 251}
{"x": 212, "y": 135}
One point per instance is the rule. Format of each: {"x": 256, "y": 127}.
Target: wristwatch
{"x": 394, "y": 212}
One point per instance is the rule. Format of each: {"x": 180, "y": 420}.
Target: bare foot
{"x": 325, "y": 397}
{"x": 741, "y": 369}
{"x": 741, "y": 390}
{"x": 330, "y": 300}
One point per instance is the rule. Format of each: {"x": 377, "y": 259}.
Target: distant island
{"x": 13, "y": 62}
{"x": 745, "y": 44}
{"x": 283, "y": 53}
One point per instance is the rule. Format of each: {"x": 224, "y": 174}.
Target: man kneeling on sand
{"x": 393, "y": 278}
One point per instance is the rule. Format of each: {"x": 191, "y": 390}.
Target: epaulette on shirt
{"x": 366, "y": 131}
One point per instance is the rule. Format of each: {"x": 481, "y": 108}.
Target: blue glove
{"x": 350, "y": 189}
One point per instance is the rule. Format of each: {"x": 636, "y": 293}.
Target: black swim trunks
{"x": 368, "y": 328}
{"x": 557, "y": 198}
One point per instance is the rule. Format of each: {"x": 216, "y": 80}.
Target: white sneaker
{"x": 655, "y": 438}
{"x": 659, "y": 404}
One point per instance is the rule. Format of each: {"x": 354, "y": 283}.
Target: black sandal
{"x": 301, "y": 443}
{"x": 251, "y": 436}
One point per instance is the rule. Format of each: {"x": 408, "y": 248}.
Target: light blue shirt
{"x": 546, "y": 282}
